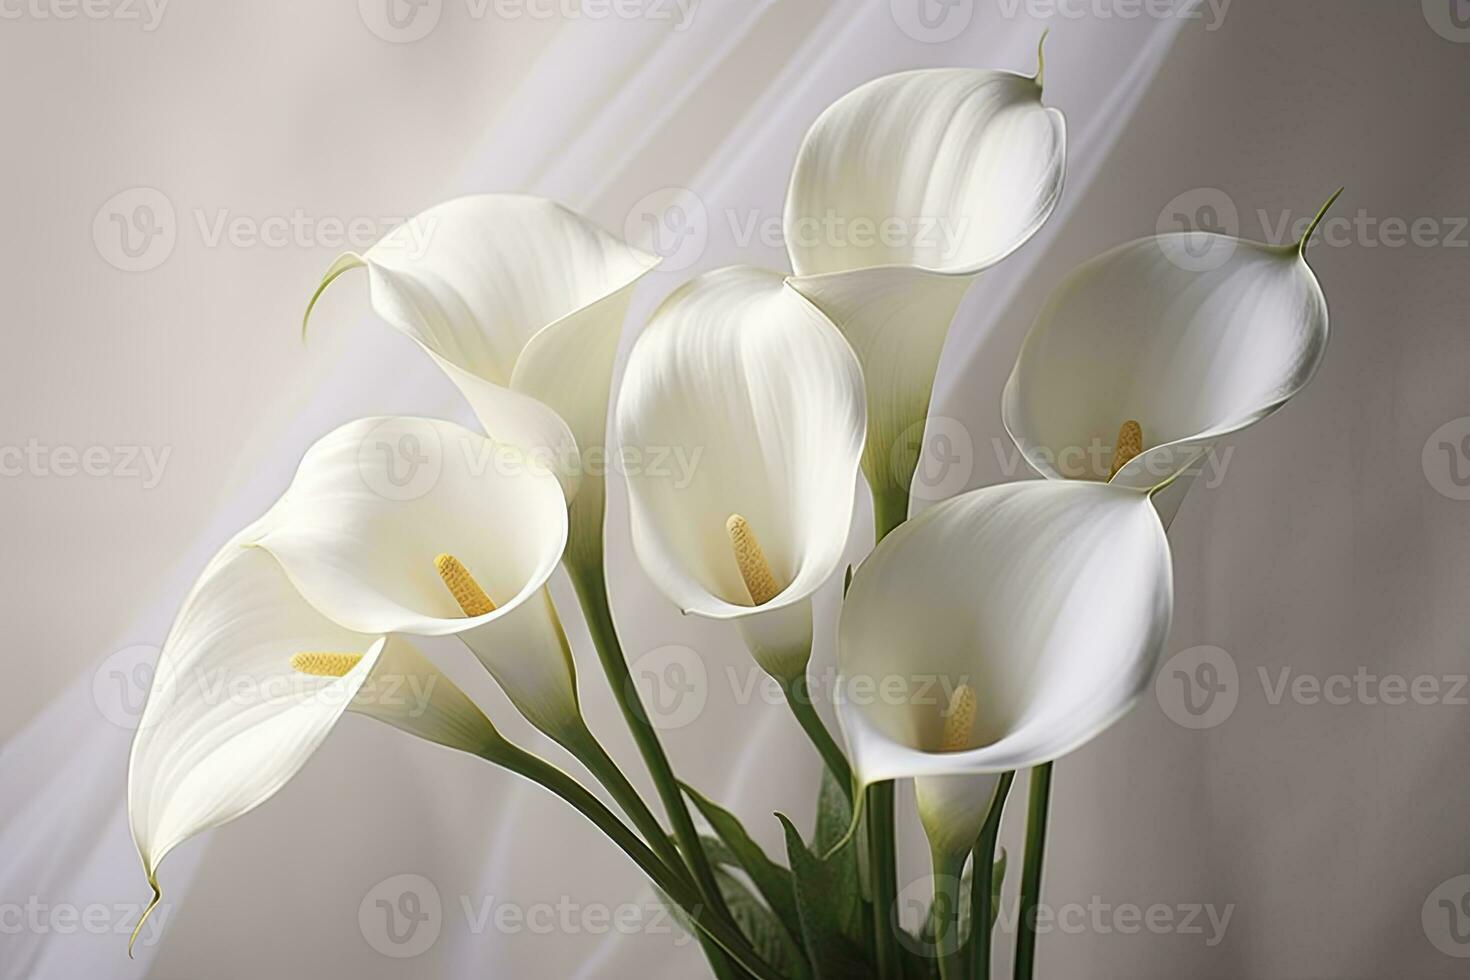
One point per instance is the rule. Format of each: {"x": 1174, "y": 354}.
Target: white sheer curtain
{"x": 605, "y": 115}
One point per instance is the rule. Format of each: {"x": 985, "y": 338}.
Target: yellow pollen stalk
{"x": 1129, "y": 444}
{"x": 754, "y": 568}
{"x": 325, "y": 664}
{"x": 462, "y": 585}
{"x": 959, "y": 720}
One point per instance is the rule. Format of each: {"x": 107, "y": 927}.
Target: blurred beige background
{"x": 1337, "y": 543}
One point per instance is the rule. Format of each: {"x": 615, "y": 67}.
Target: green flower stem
{"x": 980, "y": 881}
{"x": 890, "y": 509}
{"x": 544, "y": 774}
{"x": 591, "y": 584}
{"x": 883, "y": 867}
{"x": 799, "y": 697}
{"x": 944, "y": 913}
{"x": 589, "y": 751}
{"x": 1031, "y": 871}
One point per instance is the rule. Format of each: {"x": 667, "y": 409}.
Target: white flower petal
{"x": 741, "y": 378}
{"x": 903, "y": 191}
{"x": 1192, "y": 335}
{"x": 953, "y": 809}
{"x": 228, "y": 720}
{"x": 377, "y": 500}
{"x": 528, "y": 655}
{"x": 1050, "y": 599}
{"x": 896, "y": 320}
{"x": 502, "y": 290}
{"x": 407, "y": 691}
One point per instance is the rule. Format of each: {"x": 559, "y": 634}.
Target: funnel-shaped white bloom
{"x": 521, "y": 302}
{"x": 904, "y": 190}
{"x": 249, "y": 683}
{"x": 376, "y": 506}
{"x": 754, "y": 390}
{"x": 1192, "y": 335}
{"x": 1049, "y": 600}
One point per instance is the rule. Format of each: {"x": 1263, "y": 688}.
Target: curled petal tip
{"x": 343, "y": 262}
{"x": 1041, "y": 56}
{"x": 152, "y": 904}
{"x": 1321, "y": 213}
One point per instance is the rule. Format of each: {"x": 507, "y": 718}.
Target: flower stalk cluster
{"x": 1042, "y": 605}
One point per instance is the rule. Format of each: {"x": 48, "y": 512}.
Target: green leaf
{"x": 829, "y": 907}
{"x": 723, "y": 970}
{"x": 767, "y": 934}
{"x": 770, "y": 879}
{"x": 834, "y": 814}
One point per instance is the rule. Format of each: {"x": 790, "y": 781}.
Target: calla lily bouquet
{"x": 1041, "y": 606}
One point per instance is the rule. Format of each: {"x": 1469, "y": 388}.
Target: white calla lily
{"x": 250, "y": 681}
{"x": 521, "y": 302}
{"x": 903, "y": 192}
{"x": 1019, "y": 621}
{"x": 742, "y": 377}
{"x": 1183, "y": 338}
{"x": 420, "y": 526}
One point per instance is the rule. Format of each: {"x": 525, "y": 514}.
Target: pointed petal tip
{"x": 1306, "y": 239}
{"x": 152, "y": 904}
{"x": 343, "y": 262}
{"x": 1041, "y": 57}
